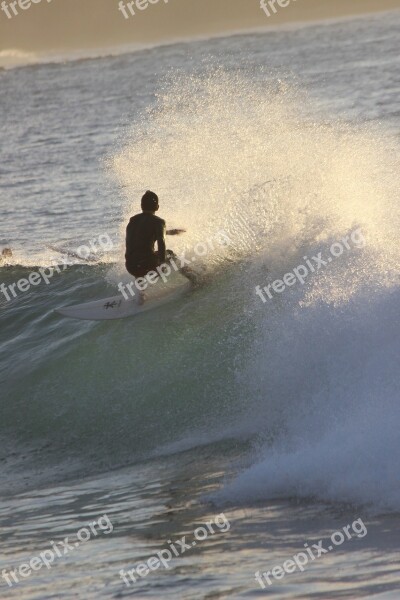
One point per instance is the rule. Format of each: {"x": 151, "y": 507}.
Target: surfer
{"x": 6, "y": 253}
{"x": 144, "y": 230}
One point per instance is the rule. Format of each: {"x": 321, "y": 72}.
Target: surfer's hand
{"x": 175, "y": 231}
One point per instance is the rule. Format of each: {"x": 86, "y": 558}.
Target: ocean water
{"x": 276, "y": 419}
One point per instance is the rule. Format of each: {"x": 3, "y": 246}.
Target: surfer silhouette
{"x": 143, "y": 232}
{"x": 6, "y": 254}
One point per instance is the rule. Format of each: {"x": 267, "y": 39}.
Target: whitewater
{"x": 283, "y": 414}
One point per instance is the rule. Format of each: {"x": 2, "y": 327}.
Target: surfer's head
{"x": 150, "y": 201}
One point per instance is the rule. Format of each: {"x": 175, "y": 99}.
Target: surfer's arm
{"x": 161, "y": 244}
{"x": 175, "y": 231}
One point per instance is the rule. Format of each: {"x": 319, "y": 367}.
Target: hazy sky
{"x": 62, "y": 24}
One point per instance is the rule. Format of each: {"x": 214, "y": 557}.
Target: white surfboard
{"x": 118, "y": 307}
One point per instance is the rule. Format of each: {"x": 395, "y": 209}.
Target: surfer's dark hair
{"x": 149, "y": 201}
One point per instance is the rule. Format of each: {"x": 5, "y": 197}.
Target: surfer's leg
{"x": 138, "y": 271}
{"x": 190, "y": 275}
{"x": 185, "y": 271}
{"x": 141, "y": 298}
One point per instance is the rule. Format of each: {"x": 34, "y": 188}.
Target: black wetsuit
{"x": 143, "y": 231}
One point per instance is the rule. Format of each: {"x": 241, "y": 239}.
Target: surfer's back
{"x": 142, "y": 232}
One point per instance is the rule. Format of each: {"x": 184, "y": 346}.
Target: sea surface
{"x": 276, "y": 415}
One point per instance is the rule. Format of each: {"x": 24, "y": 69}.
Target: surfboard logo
{"x": 114, "y": 304}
